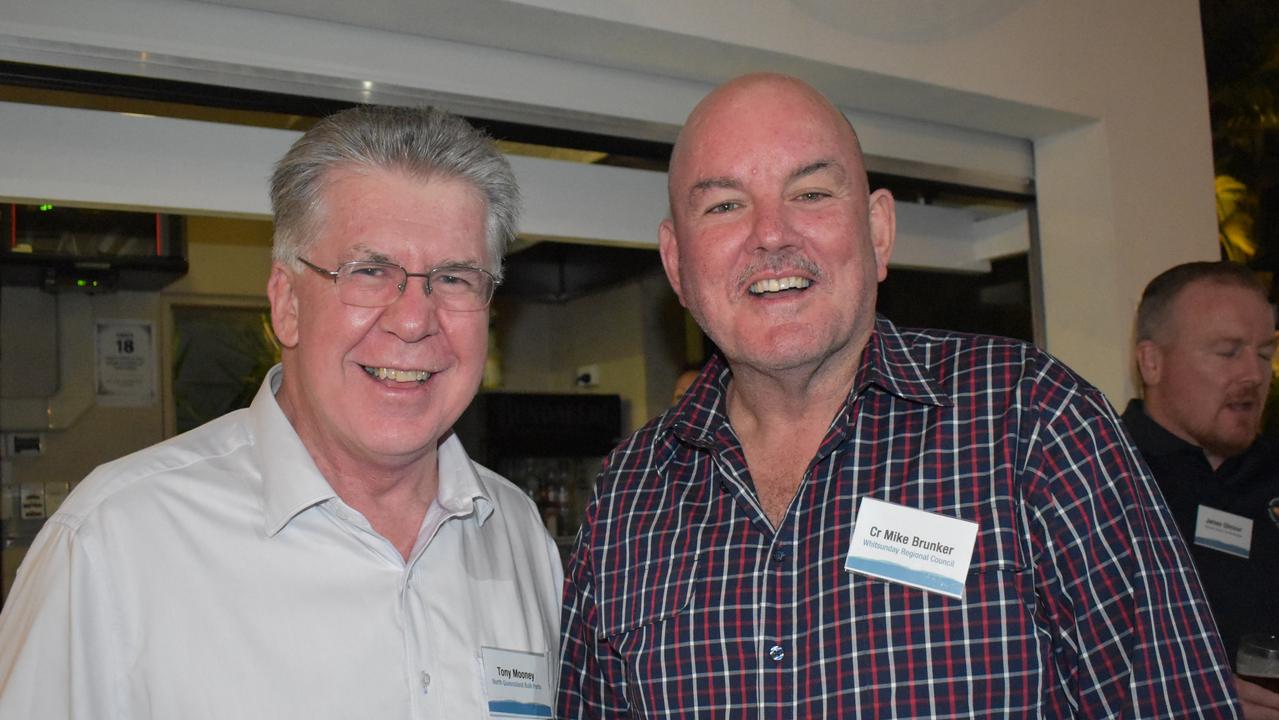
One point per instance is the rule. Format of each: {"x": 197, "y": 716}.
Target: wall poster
{"x": 125, "y": 363}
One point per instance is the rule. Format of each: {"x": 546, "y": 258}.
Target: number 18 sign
{"x": 126, "y": 363}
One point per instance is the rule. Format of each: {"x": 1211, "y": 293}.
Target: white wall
{"x": 1110, "y": 96}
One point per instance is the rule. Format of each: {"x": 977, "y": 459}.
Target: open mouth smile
{"x": 777, "y": 285}
{"x": 397, "y": 375}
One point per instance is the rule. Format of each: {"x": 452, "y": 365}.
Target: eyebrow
{"x": 469, "y": 264}
{"x": 816, "y": 167}
{"x": 375, "y": 256}
{"x": 720, "y": 183}
{"x": 729, "y": 183}
{"x": 360, "y": 252}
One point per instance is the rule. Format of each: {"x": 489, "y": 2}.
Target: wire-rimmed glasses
{"x": 370, "y": 283}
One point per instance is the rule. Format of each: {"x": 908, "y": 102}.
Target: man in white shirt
{"x": 330, "y": 551}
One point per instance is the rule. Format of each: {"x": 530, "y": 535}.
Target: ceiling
{"x": 557, "y": 271}
{"x": 635, "y": 38}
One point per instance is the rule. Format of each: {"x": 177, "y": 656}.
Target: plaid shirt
{"x": 683, "y": 601}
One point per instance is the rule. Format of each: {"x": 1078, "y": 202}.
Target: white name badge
{"x": 912, "y": 547}
{"x": 517, "y": 684}
{"x": 1220, "y": 530}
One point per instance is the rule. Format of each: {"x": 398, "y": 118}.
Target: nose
{"x": 768, "y": 228}
{"x": 1249, "y": 370}
{"x": 1260, "y": 370}
{"x": 413, "y": 316}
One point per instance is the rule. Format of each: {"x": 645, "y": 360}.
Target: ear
{"x": 668, "y": 248}
{"x": 284, "y": 305}
{"x": 1149, "y": 362}
{"x": 883, "y": 229}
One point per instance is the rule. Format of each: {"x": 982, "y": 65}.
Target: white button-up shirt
{"x": 217, "y": 575}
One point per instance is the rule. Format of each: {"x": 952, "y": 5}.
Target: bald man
{"x": 845, "y": 519}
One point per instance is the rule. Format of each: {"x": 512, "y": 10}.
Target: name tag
{"x": 916, "y": 548}
{"x": 1220, "y": 530}
{"x": 516, "y": 684}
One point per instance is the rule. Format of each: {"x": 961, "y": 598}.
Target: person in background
{"x": 330, "y": 551}
{"x": 846, "y": 519}
{"x": 1205, "y": 339}
{"x": 683, "y": 382}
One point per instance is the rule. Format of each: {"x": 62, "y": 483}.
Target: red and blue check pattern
{"x": 683, "y": 601}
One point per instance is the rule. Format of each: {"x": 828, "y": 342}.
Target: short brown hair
{"x": 1152, "y": 312}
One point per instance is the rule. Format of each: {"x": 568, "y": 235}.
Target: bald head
{"x": 774, "y": 243}
{"x": 790, "y": 103}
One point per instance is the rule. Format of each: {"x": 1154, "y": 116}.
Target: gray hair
{"x": 422, "y": 142}
{"x": 1157, "y": 298}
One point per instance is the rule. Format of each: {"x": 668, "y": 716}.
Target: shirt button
{"x": 780, "y": 554}
{"x": 723, "y": 485}
{"x": 426, "y": 682}
{"x": 776, "y": 653}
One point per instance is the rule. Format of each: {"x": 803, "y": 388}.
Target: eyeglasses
{"x": 367, "y": 283}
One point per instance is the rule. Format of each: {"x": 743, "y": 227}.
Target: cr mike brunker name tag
{"x": 913, "y": 547}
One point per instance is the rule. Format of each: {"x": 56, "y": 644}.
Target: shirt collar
{"x": 1153, "y": 438}
{"x": 886, "y": 363}
{"x": 889, "y": 363}
{"x": 1155, "y": 441}
{"x": 701, "y": 409}
{"x": 462, "y": 489}
{"x": 291, "y": 483}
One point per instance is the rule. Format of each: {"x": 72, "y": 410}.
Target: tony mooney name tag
{"x": 517, "y": 684}
{"x": 912, "y": 547}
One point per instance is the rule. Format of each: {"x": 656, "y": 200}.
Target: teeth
{"x": 384, "y": 373}
{"x": 779, "y": 284}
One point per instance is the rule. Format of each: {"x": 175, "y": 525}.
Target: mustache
{"x": 1248, "y": 393}
{"x": 778, "y": 261}
{"x": 1249, "y": 396}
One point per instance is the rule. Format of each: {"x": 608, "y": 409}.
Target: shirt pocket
{"x": 1001, "y": 612}
{"x": 636, "y": 607}
{"x": 997, "y": 576}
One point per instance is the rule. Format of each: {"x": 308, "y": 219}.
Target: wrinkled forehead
{"x": 761, "y": 124}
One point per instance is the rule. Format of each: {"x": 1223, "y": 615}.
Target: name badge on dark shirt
{"x": 1223, "y": 531}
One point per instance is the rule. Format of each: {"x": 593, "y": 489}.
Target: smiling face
{"x": 772, "y": 244}
{"x": 353, "y": 385}
{"x": 1207, "y": 370}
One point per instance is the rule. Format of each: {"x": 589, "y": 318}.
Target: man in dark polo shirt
{"x": 1205, "y": 338}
